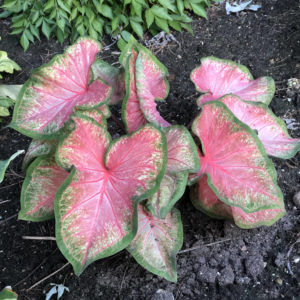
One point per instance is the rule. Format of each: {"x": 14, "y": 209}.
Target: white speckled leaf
{"x": 151, "y": 85}
{"x": 132, "y": 114}
{"x": 157, "y": 242}
{"x": 271, "y": 130}
{"x": 182, "y": 158}
{"x": 95, "y": 211}
{"x": 42, "y": 181}
{"x": 218, "y": 77}
{"x": 37, "y": 148}
{"x": 240, "y": 173}
{"x": 47, "y": 99}
{"x": 113, "y": 76}
{"x": 204, "y": 199}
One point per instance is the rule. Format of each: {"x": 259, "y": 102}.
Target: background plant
{"x": 74, "y": 18}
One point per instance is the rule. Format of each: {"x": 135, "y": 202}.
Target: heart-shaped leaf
{"x": 5, "y": 163}
{"x": 271, "y": 130}
{"x": 204, "y": 199}
{"x": 43, "y": 178}
{"x": 182, "y": 158}
{"x": 239, "y": 171}
{"x": 151, "y": 84}
{"x": 218, "y": 77}
{"x": 113, "y": 76}
{"x": 157, "y": 242}
{"x": 95, "y": 208}
{"x": 37, "y": 148}
{"x": 47, "y": 99}
{"x": 132, "y": 114}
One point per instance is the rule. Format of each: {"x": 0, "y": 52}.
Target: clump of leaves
{"x": 73, "y": 18}
{"x": 8, "y": 96}
{"x": 107, "y": 195}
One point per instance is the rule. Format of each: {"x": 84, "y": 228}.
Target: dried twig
{"x": 4, "y": 201}
{"x": 7, "y": 186}
{"x": 9, "y": 218}
{"x": 41, "y": 238}
{"x": 205, "y": 245}
{"x": 45, "y": 278}
{"x": 288, "y": 255}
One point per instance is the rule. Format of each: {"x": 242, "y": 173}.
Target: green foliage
{"x": 6, "y": 64}
{"x": 74, "y": 18}
{"x": 8, "y": 96}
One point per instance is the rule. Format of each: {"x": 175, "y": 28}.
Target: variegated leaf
{"x": 218, "y": 77}
{"x": 240, "y": 173}
{"x": 182, "y": 158}
{"x": 132, "y": 114}
{"x": 113, "y": 76}
{"x": 157, "y": 242}
{"x": 47, "y": 99}
{"x": 37, "y": 148}
{"x": 204, "y": 199}
{"x": 43, "y": 178}
{"x": 271, "y": 130}
{"x": 96, "y": 207}
{"x": 151, "y": 85}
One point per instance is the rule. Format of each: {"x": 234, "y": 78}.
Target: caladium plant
{"x": 110, "y": 195}
{"x": 237, "y": 168}
{"x": 48, "y": 98}
{"x": 218, "y": 77}
{"x": 145, "y": 81}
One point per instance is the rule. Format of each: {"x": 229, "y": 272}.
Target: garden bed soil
{"x": 245, "y": 264}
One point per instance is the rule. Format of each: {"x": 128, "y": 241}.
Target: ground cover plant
{"x": 73, "y": 18}
{"x": 109, "y": 195}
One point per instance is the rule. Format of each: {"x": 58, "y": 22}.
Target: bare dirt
{"x": 243, "y": 264}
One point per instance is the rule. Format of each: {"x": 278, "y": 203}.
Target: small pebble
{"x": 296, "y": 259}
{"x": 279, "y": 281}
{"x": 296, "y": 199}
{"x": 244, "y": 248}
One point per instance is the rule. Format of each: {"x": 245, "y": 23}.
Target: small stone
{"x": 207, "y": 274}
{"x": 279, "y": 281}
{"x": 272, "y": 61}
{"x": 244, "y": 248}
{"x": 226, "y": 276}
{"x": 296, "y": 259}
{"x": 265, "y": 264}
{"x": 296, "y": 199}
{"x": 162, "y": 295}
{"x": 254, "y": 265}
{"x": 280, "y": 260}
{"x": 179, "y": 56}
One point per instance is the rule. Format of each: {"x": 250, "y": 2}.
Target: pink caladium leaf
{"x": 95, "y": 208}
{"x": 271, "y": 130}
{"x": 170, "y": 191}
{"x": 157, "y": 242}
{"x": 113, "y": 76}
{"x": 239, "y": 171}
{"x": 105, "y": 110}
{"x": 218, "y": 77}
{"x": 47, "y": 99}
{"x": 37, "y": 148}
{"x": 152, "y": 85}
{"x": 182, "y": 158}
{"x": 94, "y": 114}
{"x": 43, "y": 178}
{"x": 132, "y": 114}
{"x": 204, "y": 199}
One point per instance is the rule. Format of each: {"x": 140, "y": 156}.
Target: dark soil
{"x": 248, "y": 264}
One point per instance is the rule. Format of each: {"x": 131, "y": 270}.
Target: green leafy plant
{"x": 107, "y": 195}
{"x": 74, "y": 18}
{"x": 8, "y": 96}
